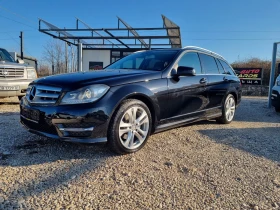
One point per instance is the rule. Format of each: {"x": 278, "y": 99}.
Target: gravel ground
{"x": 201, "y": 166}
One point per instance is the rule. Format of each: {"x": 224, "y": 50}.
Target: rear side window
{"x": 221, "y": 69}
{"x": 208, "y": 64}
{"x": 191, "y": 60}
{"x": 227, "y": 68}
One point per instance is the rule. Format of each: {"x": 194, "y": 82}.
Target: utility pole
{"x": 66, "y": 57}
{"x": 80, "y": 56}
{"x": 21, "y": 45}
{"x": 72, "y": 59}
{"x": 72, "y": 51}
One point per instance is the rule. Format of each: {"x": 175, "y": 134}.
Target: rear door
{"x": 232, "y": 79}
{"x": 187, "y": 95}
{"x": 218, "y": 84}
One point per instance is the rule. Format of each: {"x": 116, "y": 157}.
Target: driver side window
{"x": 191, "y": 60}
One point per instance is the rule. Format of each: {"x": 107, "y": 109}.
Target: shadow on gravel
{"x": 262, "y": 142}
{"x": 63, "y": 163}
{"x": 53, "y": 163}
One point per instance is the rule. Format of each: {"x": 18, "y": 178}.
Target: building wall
{"x": 95, "y": 56}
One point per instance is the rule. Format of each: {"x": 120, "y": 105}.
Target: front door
{"x": 187, "y": 94}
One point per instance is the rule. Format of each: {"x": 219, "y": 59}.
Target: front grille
{"x": 11, "y": 72}
{"x": 275, "y": 92}
{"x": 77, "y": 125}
{"x": 43, "y": 127}
{"x": 78, "y": 134}
{"x": 40, "y": 94}
{"x": 81, "y": 129}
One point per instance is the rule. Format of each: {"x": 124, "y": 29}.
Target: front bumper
{"x": 84, "y": 123}
{"x": 23, "y": 84}
{"x": 275, "y": 97}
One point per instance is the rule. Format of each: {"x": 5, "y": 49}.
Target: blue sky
{"x": 235, "y": 29}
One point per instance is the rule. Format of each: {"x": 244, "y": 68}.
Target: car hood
{"x": 108, "y": 77}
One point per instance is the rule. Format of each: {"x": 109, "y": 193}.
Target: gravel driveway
{"x": 201, "y": 166}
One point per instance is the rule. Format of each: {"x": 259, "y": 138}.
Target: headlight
{"x": 278, "y": 82}
{"x": 31, "y": 74}
{"x": 28, "y": 91}
{"x": 85, "y": 95}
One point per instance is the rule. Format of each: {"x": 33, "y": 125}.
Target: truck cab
{"x": 15, "y": 76}
{"x": 275, "y": 95}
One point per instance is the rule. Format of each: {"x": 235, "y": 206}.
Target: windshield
{"x": 156, "y": 60}
{"x": 5, "y": 56}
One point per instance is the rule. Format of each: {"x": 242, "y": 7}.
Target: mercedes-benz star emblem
{"x": 32, "y": 93}
{"x": 5, "y": 72}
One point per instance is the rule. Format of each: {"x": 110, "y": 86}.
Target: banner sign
{"x": 249, "y": 76}
{"x": 93, "y": 65}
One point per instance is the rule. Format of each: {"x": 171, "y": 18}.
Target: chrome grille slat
{"x": 48, "y": 88}
{"x": 43, "y": 94}
{"x": 47, "y": 95}
{"x": 11, "y": 72}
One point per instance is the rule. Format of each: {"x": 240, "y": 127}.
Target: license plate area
{"x": 9, "y": 87}
{"x": 30, "y": 114}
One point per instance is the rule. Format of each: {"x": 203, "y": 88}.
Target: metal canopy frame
{"x": 111, "y": 38}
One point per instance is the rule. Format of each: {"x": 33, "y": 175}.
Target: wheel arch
{"x": 149, "y": 104}
{"x": 141, "y": 94}
{"x": 234, "y": 95}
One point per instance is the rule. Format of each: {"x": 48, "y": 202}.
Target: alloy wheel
{"x": 230, "y": 109}
{"x": 134, "y": 127}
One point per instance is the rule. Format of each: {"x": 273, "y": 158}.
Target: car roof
{"x": 195, "y": 48}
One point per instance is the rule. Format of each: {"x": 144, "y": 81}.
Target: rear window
{"x": 227, "y": 68}
{"x": 208, "y": 64}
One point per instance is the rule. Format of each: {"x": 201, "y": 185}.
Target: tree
{"x": 55, "y": 56}
{"x": 43, "y": 69}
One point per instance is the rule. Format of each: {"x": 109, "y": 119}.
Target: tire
{"x": 277, "y": 109}
{"x": 228, "y": 112}
{"x": 130, "y": 127}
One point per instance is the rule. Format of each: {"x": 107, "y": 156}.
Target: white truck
{"x": 14, "y": 76}
{"x": 275, "y": 95}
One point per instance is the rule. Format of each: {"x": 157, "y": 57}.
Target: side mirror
{"x": 278, "y": 69}
{"x": 185, "y": 71}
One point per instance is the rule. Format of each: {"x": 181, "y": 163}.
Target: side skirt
{"x": 174, "y": 124}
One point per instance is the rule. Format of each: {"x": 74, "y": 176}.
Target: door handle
{"x": 203, "y": 81}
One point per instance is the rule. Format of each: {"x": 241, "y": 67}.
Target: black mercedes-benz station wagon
{"x": 143, "y": 93}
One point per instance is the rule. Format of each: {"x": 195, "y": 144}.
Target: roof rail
{"x": 203, "y": 50}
